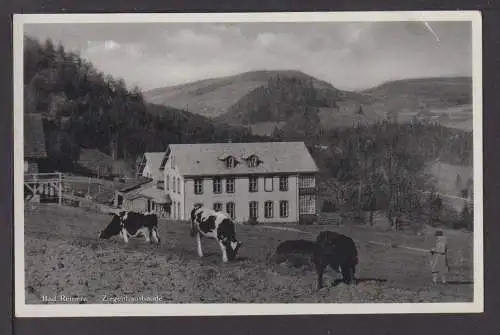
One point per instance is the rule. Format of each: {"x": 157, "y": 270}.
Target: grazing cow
{"x": 288, "y": 250}
{"x": 295, "y": 246}
{"x": 338, "y": 251}
{"x": 217, "y": 225}
{"x": 132, "y": 224}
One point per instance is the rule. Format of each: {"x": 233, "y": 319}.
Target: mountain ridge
{"x": 268, "y": 98}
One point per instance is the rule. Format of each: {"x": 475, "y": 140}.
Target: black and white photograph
{"x": 248, "y": 164}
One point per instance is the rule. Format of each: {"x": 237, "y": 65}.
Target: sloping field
{"x": 64, "y": 257}
{"x": 210, "y": 100}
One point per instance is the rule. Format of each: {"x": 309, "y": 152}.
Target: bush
{"x": 252, "y": 221}
{"x": 328, "y": 207}
{"x": 308, "y": 219}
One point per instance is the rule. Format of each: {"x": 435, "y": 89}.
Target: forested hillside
{"x": 281, "y": 98}
{"x": 84, "y": 108}
{"x": 363, "y": 167}
{"x": 263, "y": 99}
{"x": 382, "y": 166}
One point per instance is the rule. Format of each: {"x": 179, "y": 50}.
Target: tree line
{"x": 382, "y": 167}
{"x": 84, "y": 108}
{"x": 364, "y": 168}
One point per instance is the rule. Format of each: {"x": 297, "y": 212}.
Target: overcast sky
{"x": 348, "y": 55}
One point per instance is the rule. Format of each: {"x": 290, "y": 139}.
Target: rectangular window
{"x": 179, "y": 185}
{"x": 198, "y": 186}
{"x": 283, "y": 209}
{"x": 230, "y": 185}
{"x": 268, "y": 184}
{"x": 306, "y": 181}
{"x": 283, "y": 183}
{"x": 173, "y": 185}
{"x": 307, "y": 204}
{"x": 268, "y": 209}
{"x": 167, "y": 182}
{"x": 253, "y": 207}
{"x": 199, "y": 204}
{"x": 217, "y": 182}
{"x": 217, "y": 206}
{"x": 253, "y": 185}
{"x": 179, "y": 210}
{"x": 230, "y": 209}
{"x": 174, "y": 209}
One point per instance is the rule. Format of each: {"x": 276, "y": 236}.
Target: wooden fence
{"x": 65, "y": 189}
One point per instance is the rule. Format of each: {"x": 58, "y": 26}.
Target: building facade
{"x": 270, "y": 181}
{"x": 143, "y": 195}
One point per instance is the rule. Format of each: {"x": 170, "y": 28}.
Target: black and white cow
{"x": 217, "y": 225}
{"x": 131, "y": 224}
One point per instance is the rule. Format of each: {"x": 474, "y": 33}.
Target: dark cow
{"x": 296, "y": 247}
{"x": 293, "y": 251}
{"x": 338, "y": 251}
{"x": 132, "y": 224}
{"x": 217, "y": 225}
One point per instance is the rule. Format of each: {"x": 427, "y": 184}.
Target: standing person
{"x": 439, "y": 260}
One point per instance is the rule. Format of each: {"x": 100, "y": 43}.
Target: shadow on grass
{"x": 459, "y": 282}
{"x": 364, "y": 280}
{"x": 360, "y": 280}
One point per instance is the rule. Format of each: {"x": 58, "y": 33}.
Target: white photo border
{"x": 108, "y": 310}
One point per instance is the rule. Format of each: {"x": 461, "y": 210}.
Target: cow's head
{"x": 232, "y": 248}
{"x": 113, "y": 228}
{"x": 227, "y": 235}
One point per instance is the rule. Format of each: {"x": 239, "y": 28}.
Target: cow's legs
{"x": 193, "y": 230}
{"x": 198, "y": 244}
{"x": 320, "y": 266}
{"x": 124, "y": 235}
{"x": 347, "y": 273}
{"x": 146, "y": 235}
{"x": 335, "y": 266}
{"x": 223, "y": 250}
{"x": 154, "y": 235}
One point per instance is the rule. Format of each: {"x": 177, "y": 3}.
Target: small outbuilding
{"x": 35, "y": 151}
{"x": 143, "y": 195}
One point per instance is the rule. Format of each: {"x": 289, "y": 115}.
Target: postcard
{"x": 248, "y": 163}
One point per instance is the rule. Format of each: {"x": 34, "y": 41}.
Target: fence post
{"x": 60, "y": 188}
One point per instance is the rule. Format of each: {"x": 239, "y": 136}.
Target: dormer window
{"x": 253, "y": 161}
{"x": 230, "y": 162}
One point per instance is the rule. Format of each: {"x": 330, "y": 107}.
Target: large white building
{"x": 272, "y": 181}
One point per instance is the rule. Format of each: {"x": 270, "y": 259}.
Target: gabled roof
{"x": 277, "y": 157}
{"x": 149, "y": 191}
{"x": 154, "y": 160}
{"x": 157, "y": 195}
{"x": 34, "y": 136}
{"x": 133, "y": 184}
